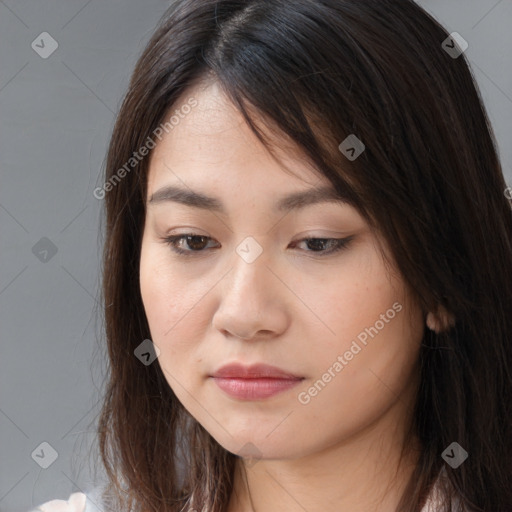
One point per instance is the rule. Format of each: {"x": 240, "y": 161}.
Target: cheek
{"x": 353, "y": 298}
{"x": 164, "y": 293}
{"x": 163, "y": 297}
{"x": 373, "y": 378}
{"x": 175, "y": 314}
{"x": 378, "y": 332}
{"x": 156, "y": 286}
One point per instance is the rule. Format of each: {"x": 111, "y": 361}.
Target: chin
{"x": 257, "y": 444}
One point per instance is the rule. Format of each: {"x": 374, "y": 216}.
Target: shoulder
{"x": 77, "y": 502}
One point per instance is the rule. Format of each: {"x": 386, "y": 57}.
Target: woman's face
{"x": 254, "y": 290}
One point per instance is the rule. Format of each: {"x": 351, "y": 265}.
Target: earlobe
{"x": 439, "y": 321}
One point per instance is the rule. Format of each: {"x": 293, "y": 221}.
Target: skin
{"x": 291, "y": 308}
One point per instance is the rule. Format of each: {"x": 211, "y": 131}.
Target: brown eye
{"x": 196, "y": 243}
{"x": 187, "y": 243}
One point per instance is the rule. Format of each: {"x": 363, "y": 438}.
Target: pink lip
{"x": 254, "y": 382}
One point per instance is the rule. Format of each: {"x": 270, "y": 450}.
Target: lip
{"x": 254, "y": 371}
{"x": 254, "y": 382}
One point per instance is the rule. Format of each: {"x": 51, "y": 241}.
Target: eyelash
{"x": 340, "y": 244}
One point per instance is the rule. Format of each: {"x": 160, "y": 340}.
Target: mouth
{"x": 255, "y": 382}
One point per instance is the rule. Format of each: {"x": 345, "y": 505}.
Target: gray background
{"x": 56, "y": 116}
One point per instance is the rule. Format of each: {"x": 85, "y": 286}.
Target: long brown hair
{"x": 429, "y": 180}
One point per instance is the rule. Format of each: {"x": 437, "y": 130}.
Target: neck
{"x": 356, "y": 475}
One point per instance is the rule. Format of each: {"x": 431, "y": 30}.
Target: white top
{"x": 77, "y": 502}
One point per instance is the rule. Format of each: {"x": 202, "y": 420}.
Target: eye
{"x": 325, "y": 246}
{"x": 196, "y": 244}
{"x": 191, "y": 240}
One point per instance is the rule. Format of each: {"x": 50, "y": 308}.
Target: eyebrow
{"x": 294, "y": 201}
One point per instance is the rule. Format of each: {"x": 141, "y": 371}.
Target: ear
{"x": 440, "y": 320}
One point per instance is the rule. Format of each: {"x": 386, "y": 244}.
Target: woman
{"x": 307, "y": 266}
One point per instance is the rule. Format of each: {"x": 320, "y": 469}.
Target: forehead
{"x": 213, "y": 141}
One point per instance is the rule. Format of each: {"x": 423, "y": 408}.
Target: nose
{"x": 253, "y": 302}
